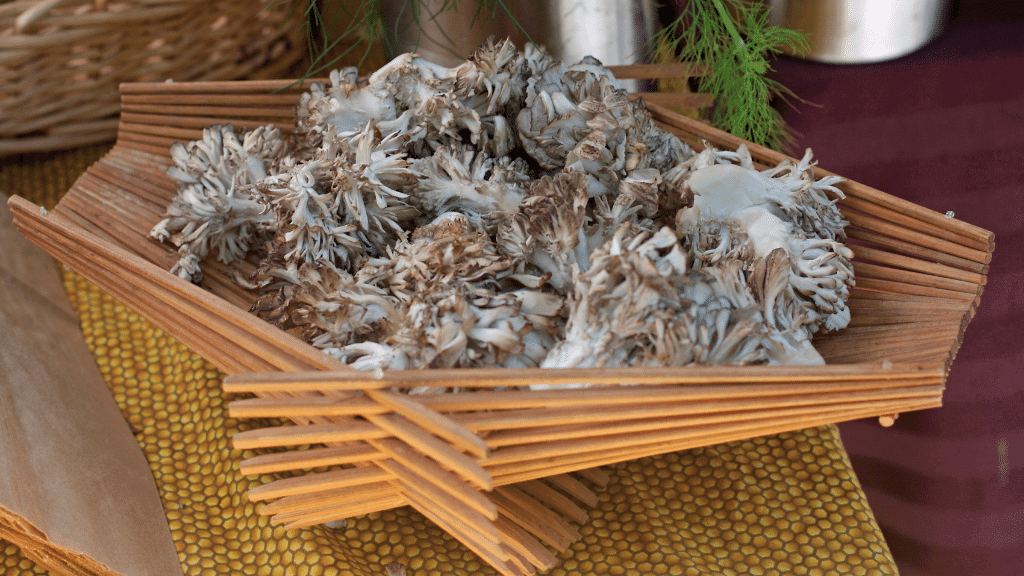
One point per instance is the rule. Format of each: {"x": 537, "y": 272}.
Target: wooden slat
{"x": 437, "y": 424}
{"x": 307, "y": 459}
{"x": 317, "y": 482}
{"x": 444, "y": 479}
{"x": 335, "y": 497}
{"x": 523, "y": 543}
{"x": 573, "y": 487}
{"x": 341, "y": 511}
{"x": 534, "y": 517}
{"x": 509, "y": 377}
{"x": 436, "y": 449}
{"x": 278, "y": 436}
{"x": 554, "y": 500}
{"x": 303, "y": 406}
{"x": 441, "y": 499}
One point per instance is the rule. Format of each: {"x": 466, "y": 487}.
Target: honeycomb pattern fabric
{"x": 781, "y": 505}
{"x": 13, "y": 562}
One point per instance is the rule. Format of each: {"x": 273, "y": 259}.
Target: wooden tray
{"x": 498, "y": 469}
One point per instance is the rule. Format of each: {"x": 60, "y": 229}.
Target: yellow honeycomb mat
{"x": 780, "y": 505}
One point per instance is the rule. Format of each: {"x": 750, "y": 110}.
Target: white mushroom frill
{"x": 511, "y": 211}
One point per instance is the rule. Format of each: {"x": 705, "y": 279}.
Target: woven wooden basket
{"x": 499, "y": 469}
{"x": 61, "y": 61}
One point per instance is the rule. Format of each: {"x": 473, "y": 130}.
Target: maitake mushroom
{"x": 511, "y": 211}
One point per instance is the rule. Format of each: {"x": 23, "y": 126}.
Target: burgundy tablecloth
{"x": 943, "y": 127}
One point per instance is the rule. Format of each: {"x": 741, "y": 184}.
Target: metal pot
{"x": 613, "y": 31}
{"x": 861, "y": 31}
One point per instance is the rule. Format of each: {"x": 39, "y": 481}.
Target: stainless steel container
{"x": 613, "y": 31}
{"x": 861, "y": 31}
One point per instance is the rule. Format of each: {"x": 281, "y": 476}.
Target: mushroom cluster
{"x": 512, "y": 211}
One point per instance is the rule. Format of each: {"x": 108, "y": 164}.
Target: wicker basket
{"x": 61, "y": 61}
{"x": 470, "y": 461}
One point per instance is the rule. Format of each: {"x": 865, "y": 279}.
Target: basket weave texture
{"x": 61, "y": 61}
{"x": 462, "y": 459}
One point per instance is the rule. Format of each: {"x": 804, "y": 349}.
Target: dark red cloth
{"x": 944, "y": 128}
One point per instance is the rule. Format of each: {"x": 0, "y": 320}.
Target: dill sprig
{"x": 735, "y": 39}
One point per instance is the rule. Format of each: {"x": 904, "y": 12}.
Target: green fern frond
{"x": 734, "y": 38}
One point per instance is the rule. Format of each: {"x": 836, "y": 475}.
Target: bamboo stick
{"x": 171, "y": 132}
{"x": 307, "y": 459}
{"x": 152, "y": 163}
{"x": 438, "y": 450}
{"x": 594, "y": 416}
{"x": 916, "y": 265}
{"x": 441, "y": 426}
{"x": 624, "y": 395}
{"x": 635, "y": 395}
{"x": 490, "y": 551}
{"x": 347, "y": 510}
{"x": 218, "y": 87}
{"x": 573, "y": 487}
{"x": 546, "y": 437}
{"x": 113, "y": 173}
{"x": 88, "y": 212}
{"x": 595, "y": 475}
{"x": 308, "y": 406}
{"x": 284, "y": 114}
{"x": 147, "y": 141}
{"x": 443, "y": 501}
{"x": 110, "y": 183}
{"x": 507, "y": 377}
{"x": 175, "y": 125}
{"x": 936, "y": 353}
{"x": 521, "y": 472}
{"x": 521, "y": 541}
{"x": 534, "y": 518}
{"x": 922, "y": 327}
{"x": 549, "y": 442}
{"x": 433, "y": 472}
{"x": 881, "y": 226}
{"x": 521, "y": 562}
{"x": 912, "y": 306}
{"x": 246, "y": 99}
{"x": 554, "y": 500}
{"x": 300, "y": 435}
{"x": 879, "y": 345}
{"x": 909, "y": 319}
{"x": 302, "y": 504}
{"x": 146, "y": 147}
{"x": 935, "y": 230}
{"x": 864, "y": 269}
{"x": 317, "y": 482}
{"x": 888, "y": 285}
{"x": 910, "y": 249}
{"x": 861, "y": 293}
